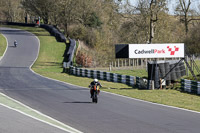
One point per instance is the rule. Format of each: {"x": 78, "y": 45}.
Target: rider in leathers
{"x": 92, "y": 84}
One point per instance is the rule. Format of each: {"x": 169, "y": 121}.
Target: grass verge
{"x": 49, "y": 64}
{"x": 136, "y": 72}
{"x": 3, "y": 45}
{"x": 168, "y": 97}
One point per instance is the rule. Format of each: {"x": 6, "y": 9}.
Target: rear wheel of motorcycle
{"x": 93, "y": 100}
{"x": 96, "y": 100}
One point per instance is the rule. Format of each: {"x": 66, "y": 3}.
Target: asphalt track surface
{"x": 72, "y": 105}
{"x": 15, "y": 122}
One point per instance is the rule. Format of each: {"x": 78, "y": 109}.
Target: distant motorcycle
{"x": 15, "y": 43}
{"x": 95, "y": 90}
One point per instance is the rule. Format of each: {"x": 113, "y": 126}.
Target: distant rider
{"x": 95, "y": 81}
{"x": 15, "y": 43}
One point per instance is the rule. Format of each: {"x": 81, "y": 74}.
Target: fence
{"x": 132, "y": 63}
{"x": 190, "y": 86}
{"x": 107, "y": 76}
{"x": 125, "y": 63}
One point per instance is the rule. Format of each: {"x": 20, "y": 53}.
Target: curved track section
{"x": 72, "y": 105}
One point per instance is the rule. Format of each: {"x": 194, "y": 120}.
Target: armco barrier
{"x": 70, "y": 52}
{"x": 112, "y": 77}
{"x": 190, "y": 86}
{"x": 54, "y": 32}
{"x": 20, "y": 24}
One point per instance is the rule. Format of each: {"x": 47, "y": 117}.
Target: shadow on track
{"x": 11, "y": 46}
{"x": 79, "y": 102}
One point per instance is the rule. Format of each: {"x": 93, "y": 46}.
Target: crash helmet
{"x": 95, "y": 80}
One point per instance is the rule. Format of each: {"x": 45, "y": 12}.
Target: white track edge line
{"x": 75, "y": 130}
{"x": 48, "y": 123}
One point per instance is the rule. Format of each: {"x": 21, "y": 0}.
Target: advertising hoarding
{"x": 171, "y": 50}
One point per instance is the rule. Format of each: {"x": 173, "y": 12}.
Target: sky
{"x": 172, "y": 4}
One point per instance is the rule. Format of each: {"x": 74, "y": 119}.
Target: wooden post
{"x": 135, "y": 62}
{"x": 187, "y": 70}
{"x": 191, "y": 62}
{"x": 132, "y": 62}
{"x": 86, "y": 64}
{"x": 110, "y": 67}
{"x": 143, "y": 62}
{"x": 193, "y": 58}
{"x": 118, "y": 62}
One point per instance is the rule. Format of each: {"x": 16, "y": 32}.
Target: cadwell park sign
{"x": 171, "y": 50}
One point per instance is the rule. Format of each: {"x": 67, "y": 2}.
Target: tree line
{"x": 102, "y": 23}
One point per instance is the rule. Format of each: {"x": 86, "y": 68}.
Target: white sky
{"x": 172, "y": 4}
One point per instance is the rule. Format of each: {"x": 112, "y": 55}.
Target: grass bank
{"x": 3, "y": 45}
{"x": 49, "y": 64}
{"x": 136, "y": 72}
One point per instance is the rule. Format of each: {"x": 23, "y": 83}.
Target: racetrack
{"x": 15, "y": 122}
{"x": 72, "y": 105}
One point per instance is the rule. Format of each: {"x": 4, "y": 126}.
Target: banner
{"x": 173, "y": 50}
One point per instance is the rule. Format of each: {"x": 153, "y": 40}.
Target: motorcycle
{"x": 95, "y": 90}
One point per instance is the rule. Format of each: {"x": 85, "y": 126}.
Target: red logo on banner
{"x": 173, "y": 50}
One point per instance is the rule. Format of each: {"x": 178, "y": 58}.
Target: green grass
{"x": 136, "y": 72}
{"x": 49, "y": 64}
{"x": 167, "y": 97}
{"x": 3, "y": 44}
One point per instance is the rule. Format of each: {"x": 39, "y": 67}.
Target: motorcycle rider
{"x": 15, "y": 43}
{"x": 95, "y": 81}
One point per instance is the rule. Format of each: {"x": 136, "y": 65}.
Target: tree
{"x": 192, "y": 41}
{"x": 156, "y": 6}
{"x": 66, "y": 13}
{"x": 10, "y": 10}
{"x": 144, "y": 18}
{"x": 41, "y": 8}
{"x": 186, "y": 13}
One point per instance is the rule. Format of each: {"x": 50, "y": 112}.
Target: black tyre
{"x": 94, "y": 98}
